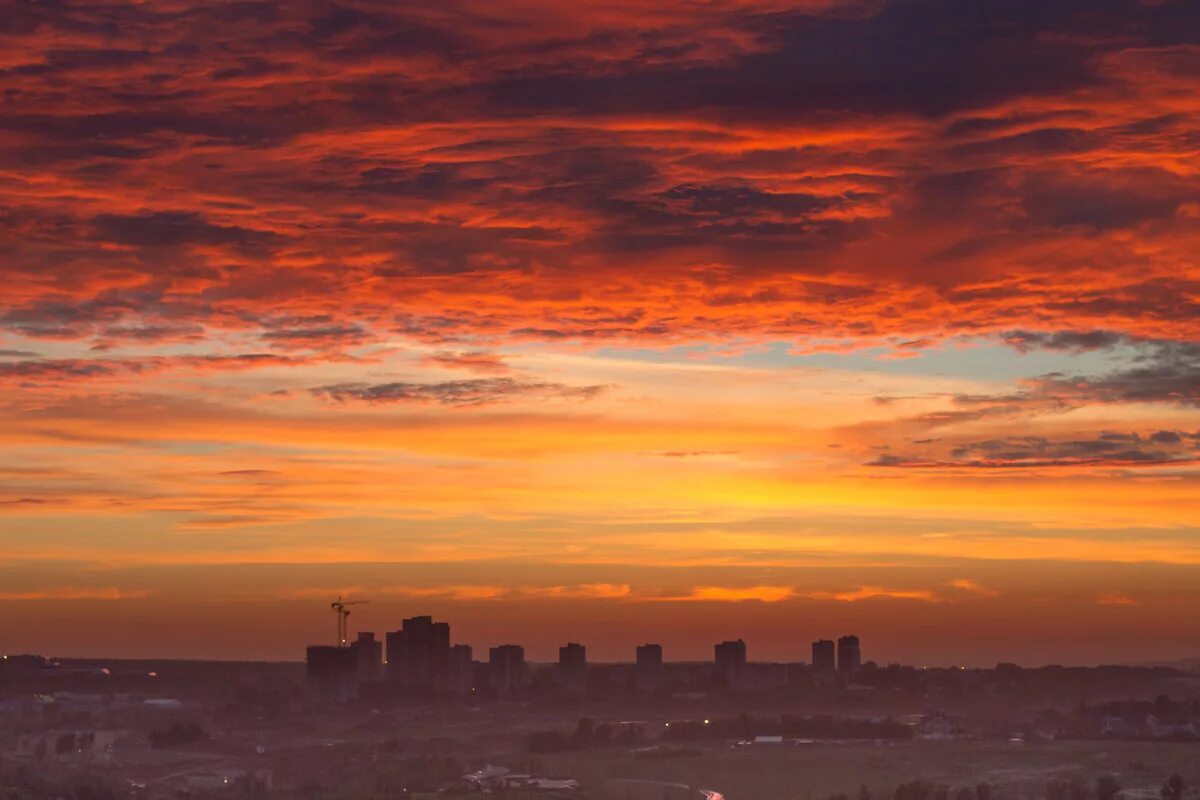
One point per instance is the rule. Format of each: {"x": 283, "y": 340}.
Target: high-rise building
{"x": 824, "y": 665}
{"x": 849, "y": 658}
{"x": 729, "y": 661}
{"x": 506, "y": 666}
{"x": 572, "y": 668}
{"x": 368, "y": 657}
{"x": 418, "y": 653}
{"x": 460, "y": 670}
{"x": 330, "y": 673}
{"x": 648, "y": 670}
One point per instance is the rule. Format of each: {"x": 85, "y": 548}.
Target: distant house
{"x": 1120, "y": 728}
{"x": 936, "y": 727}
{"x": 162, "y": 704}
{"x": 487, "y": 779}
{"x": 531, "y": 784}
{"x": 499, "y": 779}
{"x": 80, "y": 747}
{"x": 225, "y": 778}
{"x": 1170, "y": 728}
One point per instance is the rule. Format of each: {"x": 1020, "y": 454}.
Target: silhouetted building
{"x": 330, "y": 673}
{"x": 506, "y": 667}
{"x": 824, "y": 665}
{"x": 849, "y": 658}
{"x": 368, "y": 657}
{"x": 418, "y": 653}
{"x": 729, "y": 661}
{"x": 648, "y": 671}
{"x": 764, "y": 678}
{"x": 460, "y": 670}
{"x": 572, "y": 668}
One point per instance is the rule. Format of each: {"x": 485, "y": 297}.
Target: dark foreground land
{"x": 107, "y": 730}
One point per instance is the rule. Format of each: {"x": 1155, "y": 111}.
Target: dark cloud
{"x": 1077, "y": 341}
{"x": 915, "y": 56}
{"x": 1162, "y": 448}
{"x": 60, "y": 369}
{"x": 171, "y": 229}
{"x": 473, "y": 392}
{"x": 317, "y": 337}
{"x": 1160, "y": 371}
{"x": 724, "y": 201}
{"x": 1166, "y": 298}
{"x": 961, "y": 166}
{"x": 1175, "y": 381}
{"x": 63, "y": 370}
{"x": 1098, "y": 207}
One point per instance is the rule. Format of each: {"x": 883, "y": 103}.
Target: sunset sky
{"x": 605, "y": 321}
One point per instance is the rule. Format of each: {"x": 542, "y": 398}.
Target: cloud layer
{"x": 324, "y": 175}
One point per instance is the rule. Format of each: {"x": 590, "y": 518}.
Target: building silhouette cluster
{"x": 421, "y": 660}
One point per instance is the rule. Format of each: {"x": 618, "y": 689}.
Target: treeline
{"x": 586, "y": 734}
{"x": 589, "y": 734}
{"x": 789, "y": 726}
{"x": 176, "y": 734}
{"x": 1103, "y": 787}
{"x": 927, "y": 790}
{"x": 828, "y": 727}
{"x": 22, "y": 783}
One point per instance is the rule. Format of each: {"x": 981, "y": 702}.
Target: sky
{"x": 604, "y": 321}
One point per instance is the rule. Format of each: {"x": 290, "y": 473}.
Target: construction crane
{"x": 339, "y": 608}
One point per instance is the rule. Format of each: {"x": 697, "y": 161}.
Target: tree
{"x": 914, "y": 790}
{"x": 1107, "y": 787}
{"x": 1173, "y": 788}
{"x": 584, "y": 729}
{"x": 176, "y": 734}
{"x": 65, "y": 743}
{"x": 546, "y": 742}
{"x": 91, "y": 789}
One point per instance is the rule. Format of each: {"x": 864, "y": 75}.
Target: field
{"x": 813, "y": 772}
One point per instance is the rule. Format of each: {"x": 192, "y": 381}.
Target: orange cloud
{"x": 74, "y": 593}
{"x": 873, "y": 592}
{"x": 775, "y": 594}
{"x": 726, "y": 594}
{"x": 972, "y": 586}
{"x": 598, "y": 591}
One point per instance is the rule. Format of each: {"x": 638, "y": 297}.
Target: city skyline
{"x": 586, "y": 321}
{"x": 420, "y": 660}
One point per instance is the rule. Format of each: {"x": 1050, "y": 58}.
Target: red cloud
{"x": 597, "y": 173}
